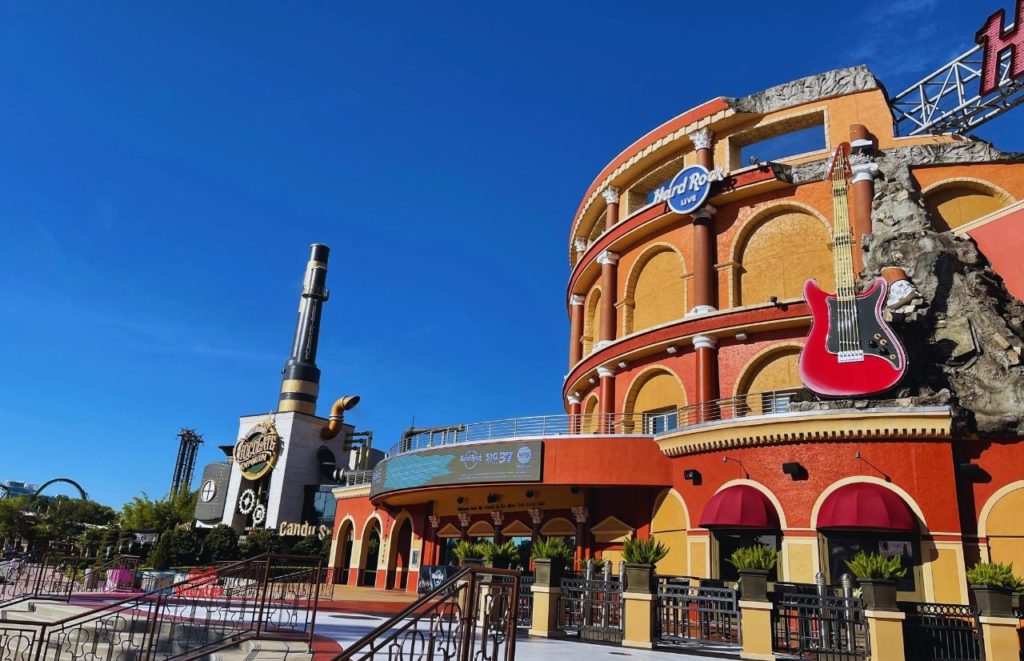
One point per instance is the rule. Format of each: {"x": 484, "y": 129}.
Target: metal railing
{"x": 212, "y": 609}
{"x": 525, "y": 612}
{"x": 688, "y": 614}
{"x": 356, "y": 478}
{"x": 471, "y": 616}
{"x": 820, "y": 624}
{"x": 38, "y": 574}
{"x": 728, "y": 408}
{"x": 941, "y": 632}
{"x": 592, "y": 608}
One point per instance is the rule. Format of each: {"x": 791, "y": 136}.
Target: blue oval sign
{"x": 689, "y": 189}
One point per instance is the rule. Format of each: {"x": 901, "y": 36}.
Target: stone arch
{"x": 956, "y": 202}
{"x": 1001, "y": 525}
{"x": 655, "y": 290}
{"x": 590, "y": 410}
{"x": 655, "y": 388}
{"x": 778, "y": 249}
{"x": 591, "y": 320}
{"x": 775, "y": 368}
{"x": 670, "y": 521}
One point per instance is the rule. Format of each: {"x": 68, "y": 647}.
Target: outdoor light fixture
{"x": 741, "y": 336}
{"x": 574, "y": 490}
{"x": 671, "y": 349}
{"x": 623, "y": 365}
{"x": 460, "y": 500}
{"x": 530, "y": 493}
{"x": 693, "y": 475}
{"x": 493, "y": 498}
{"x": 746, "y": 475}
{"x": 973, "y": 472}
{"x": 794, "y": 470}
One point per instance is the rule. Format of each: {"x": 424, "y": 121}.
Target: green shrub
{"x": 552, "y": 548}
{"x": 261, "y": 541}
{"x": 877, "y": 566}
{"x": 994, "y": 573}
{"x": 160, "y": 557}
{"x": 507, "y": 553}
{"x": 643, "y": 551}
{"x": 220, "y": 544}
{"x": 465, "y": 549}
{"x": 598, "y": 564}
{"x": 758, "y": 556}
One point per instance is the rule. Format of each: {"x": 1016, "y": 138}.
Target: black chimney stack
{"x": 300, "y": 382}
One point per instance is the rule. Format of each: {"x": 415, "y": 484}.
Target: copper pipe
{"x": 334, "y": 424}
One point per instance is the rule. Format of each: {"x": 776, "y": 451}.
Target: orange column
{"x": 574, "y": 413}
{"x": 862, "y": 190}
{"x": 611, "y": 198}
{"x": 707, "y": 383}
{"x": 606, "y": 399}
{"x": 704, "y": 282}
{"x": 609, "y": 267}
{"x": 575, "y": 329}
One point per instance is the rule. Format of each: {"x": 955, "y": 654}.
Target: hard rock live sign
{"x": 685, "y": 414}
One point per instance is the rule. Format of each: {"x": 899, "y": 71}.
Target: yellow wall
{"x": 652, "y": 393}
{"x": 669, "y": 525}
{"x": 589, "y": 424}
{"x": 780, "y": 254}
{"x": 956, "y": 205}
{"x": 777, "y": 371}
{"x": 592, "y": 320}
{"x": 1005, "y": 530}
{"x": 657, "y": 290}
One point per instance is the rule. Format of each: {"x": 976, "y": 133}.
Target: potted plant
{"x": 877, "y": 576}
{"x": 641, "y": 555}
{"x": 993, "y": 585}
{"x": 754, "y": 563}
{"x": 550, "y": 556}
{"x": 597, "y": 567}
{"x": 469, "y": 553}
{"x": 500, "y": 556}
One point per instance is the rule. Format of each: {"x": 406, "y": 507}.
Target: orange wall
{"x": 1002, "y": 242}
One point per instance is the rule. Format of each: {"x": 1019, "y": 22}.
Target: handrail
{"x": 728, "y": 408}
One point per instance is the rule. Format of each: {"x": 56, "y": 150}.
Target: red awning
{"x": 740, "y": 506}
{"x": 865, "y": 506}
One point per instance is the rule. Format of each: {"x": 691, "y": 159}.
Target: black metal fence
{"x": 941, "y": 632}
{"x": 818, "y": 625}
{"x": 591, "y": 609}
{"x": 471, "y": 616}
{"x": 525, "y": 612}
{"x": 688, "y": 614}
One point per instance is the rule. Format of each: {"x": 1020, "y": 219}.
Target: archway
{"x": 1001, "y": 524}
{"x": 398, "y": 562}
{"x": 370, "y": 552}
{"x": 590, "y": 422}
{"x": 591, "y": 320}
{"x": 343, "y": 552}
{"x": 768, "y": 381}
{"x": 653, "y": 401}
{"x": 669, "y": 523}
{"x": 779, "y": 252}
{"x": 958, "y": 202}
{"x": 655, "y": 293}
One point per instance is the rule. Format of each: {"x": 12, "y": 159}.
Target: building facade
{"x": 686, "y": 416}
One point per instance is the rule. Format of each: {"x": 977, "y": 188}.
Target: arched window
{"x": 780, "y": 253}
{"x": 590, "y": 412}
{"x": 654, "y": 399}
{"x": 955, "y": 203}
{"x": 591, "y": 320}
{"x": 769, "y": 382}
{"x": 655, "y": 292}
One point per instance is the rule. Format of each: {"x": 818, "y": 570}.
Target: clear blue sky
{"x": 164, "y": 167}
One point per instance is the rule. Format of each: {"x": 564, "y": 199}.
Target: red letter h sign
{"x": 995, "y": 41}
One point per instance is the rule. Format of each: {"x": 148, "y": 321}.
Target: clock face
{"x": 208, "y": 491}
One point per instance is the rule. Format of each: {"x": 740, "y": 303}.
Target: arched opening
{"x": 780, "y": 253}
{"x": 653, "y": 401}
{"x": 591, "y": 320}
{"x": 655, "y": 291}
{"x": 343, "y": 553}
{"x": 955, "y": 203}
{"x": 590, "y": 421}
{"x": 401, "y": 546}
{"x": 1004, "y": 528}
{"x": 739, "y": 516}
{"x": 769, "y": 383}
{"x": 669, "y": 523}
{"x": 370, "y": 553}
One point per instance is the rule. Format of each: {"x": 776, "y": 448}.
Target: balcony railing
{"x": 649, "y": 423}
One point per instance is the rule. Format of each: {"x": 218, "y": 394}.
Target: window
{"x": 657, "y": 422}
{"x": 729, "y": 541}
{"x": 776, "y": 402}
{"x": 319, "y": 506}
{"x": 842, "y": 546}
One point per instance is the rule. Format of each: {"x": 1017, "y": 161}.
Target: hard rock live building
{"x": 686, "y": 416}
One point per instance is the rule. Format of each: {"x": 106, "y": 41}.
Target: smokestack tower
{"x": 300, "y": 382}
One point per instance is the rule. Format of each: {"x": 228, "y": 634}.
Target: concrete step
{"x": 265, "y": 650}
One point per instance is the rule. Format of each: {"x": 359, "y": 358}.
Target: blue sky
{"x": 165, "y": 166}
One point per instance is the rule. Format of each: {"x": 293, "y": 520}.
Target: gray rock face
{"x": 812, "y": 88}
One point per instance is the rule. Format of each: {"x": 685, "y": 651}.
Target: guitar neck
{"x": 842, "y": 236}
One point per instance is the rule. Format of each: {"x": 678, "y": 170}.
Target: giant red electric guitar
{"x": 850, "y": 350}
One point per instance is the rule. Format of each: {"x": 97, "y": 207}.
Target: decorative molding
{"x": 355, "y": 491}
{"x": 580, "y": 514}
{"x": 702, "y": 138}
{"x": 435, "y": 521}
{"x": 608, "y": 257}
{"x": 572, "y": 399}
{"x": 498, "y": 517}
{"x": 536, "y": 516}
{"x": 807, "y": 426}
{"x": 580, "y": 244}
{"x": 705, "y": 342}
{"x": 464, "y": 519}
{"x": 604, "y": 372}
{"x": 701, "y": 309}
{"x": 705, "y": 212}
{"x": 864, "y": 171}
{"x": 577, "y": 299}
{"x": 611, "y": 195}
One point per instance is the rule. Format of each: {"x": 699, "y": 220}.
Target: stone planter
{"x": 993, "y": 600}
{"x": 472, "y": 562}
{"x": 639, "y": 578}
{"x": 497, "y": 564}
{"x": 754, "y": 584}
{"x": 549, "y": 572}
{"x": 879, "y": 594}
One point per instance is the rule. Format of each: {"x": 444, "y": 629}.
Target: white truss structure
{"x": 950, "y": 100}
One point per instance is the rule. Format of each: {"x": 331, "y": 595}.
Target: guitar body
{"x": 878, "y": 361}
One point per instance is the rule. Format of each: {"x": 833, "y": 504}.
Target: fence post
{"x": 756, "y": 628}
{"x": 546, "y": 591}
{"x": 885, "y": 635}
{"x": 638, "y": 610}
{"x": 998, "y": 630}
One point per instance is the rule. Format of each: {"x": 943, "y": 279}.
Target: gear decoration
{"x": 259, "y": 515}
{"x": 247, "y": 501}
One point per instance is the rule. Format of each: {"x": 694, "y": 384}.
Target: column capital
{"x": 464, "y": 519}
{"x": 705, "y": 212}
{"x": 701, "y": 138}
{"x": 573, "y": 399}
{"x": 608, "y": 257}
{"x": 605, "y": 372}
{"x": 576, "y": 299}
{"x": 580, "y": 244}
{"x": 581, "y": 514}
{"x": 536, "y": 516}
{"x": 701, "y": 309}
{"x": 611, "y": 195}
{"x": 435, "y": 521}
{"x": 864, "y": 171}
{"x": 498, "y": 517}
{"x": 704, "y": 342}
